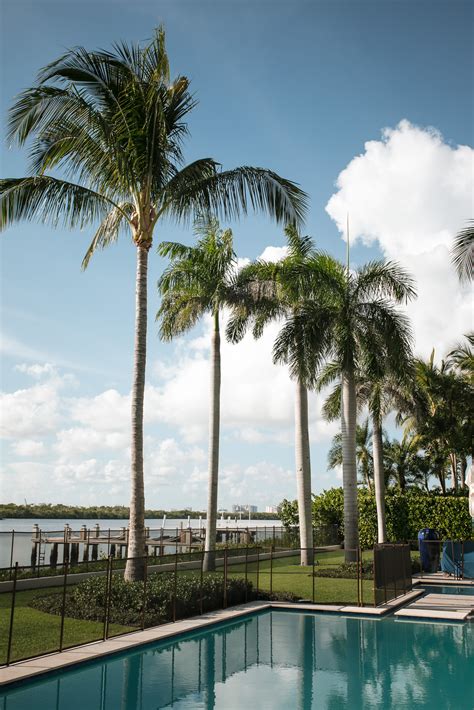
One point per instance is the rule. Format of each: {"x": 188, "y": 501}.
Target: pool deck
{"x": 451, "y": 607}
{"x": 40, "y": 665}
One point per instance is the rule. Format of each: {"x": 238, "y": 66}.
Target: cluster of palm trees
{"x": 113, "y": 123}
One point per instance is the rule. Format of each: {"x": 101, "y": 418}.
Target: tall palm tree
{"x": 367, "y": 332}
{"x": 365, "y": 462}
{"x": 114, "y": 123}
{"x": 199, "y": 280}
{"x": 271, "y": 291}
{"x": 462, "y": 253}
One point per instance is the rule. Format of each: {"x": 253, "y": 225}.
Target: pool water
{"x": 275, "y": 660}
{"x": 447, "y": 589}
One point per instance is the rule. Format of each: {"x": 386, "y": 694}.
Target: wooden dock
{"x": 86, "y": 543}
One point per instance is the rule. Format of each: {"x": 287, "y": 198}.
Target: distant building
{"x": 271, "y": 509}
{"x": 244, "y": 508}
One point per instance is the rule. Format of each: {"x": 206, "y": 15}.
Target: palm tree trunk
{"x": 454, "y": 470}
{"x": 303, "y": 473}
{"x": 379, "y": 478}
{"x": 463, "y": 472}
{"x": 214, "y": 424}
{"x": 349, "y": 466}
{"x": 135, "y": 566}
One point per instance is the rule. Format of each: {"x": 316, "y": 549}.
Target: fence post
{"x": 258, "y": 567}
{"x": 175, "y": 584}
{"x": 246, "y": 573}
{"x": 11, "y": 554}
{"x": 12, "y": 614}
{"x": 361, "y": 579}
{"x": 374, "y": 589}
{"x": 145, "y": 580}
{"x": 63, "y": 607}
{"x": 358, "y": 575}
{"x": 313, "y": 577}
{"x": 271, "y": 569}
{"x": 200, "y": 584}
{"x": 225, "y": 578}
{"x": 108, "y": 586}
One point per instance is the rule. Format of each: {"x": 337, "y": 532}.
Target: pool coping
{"x": 40, "y": 665}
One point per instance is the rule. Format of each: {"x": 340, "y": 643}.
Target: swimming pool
{"x": 447, "y": 589}
{"x": 274, "y": 660}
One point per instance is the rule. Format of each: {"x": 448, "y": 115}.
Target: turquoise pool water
{"x": 447, "y": 589}
{"x": 275, "y": 660}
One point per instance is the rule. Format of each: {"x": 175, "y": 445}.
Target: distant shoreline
{"x": 58, "y": 512}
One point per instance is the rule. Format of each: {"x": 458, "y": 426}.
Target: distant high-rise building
{"x": 271, "y": 509}
{"x": 238, "y": 508}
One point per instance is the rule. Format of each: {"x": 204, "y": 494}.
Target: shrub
{"x": 406, "y": 514}
{"x": 87, "y": 600}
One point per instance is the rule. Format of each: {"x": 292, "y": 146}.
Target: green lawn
{"x": 289, "y": 576}
{"x": 35, "y": 632}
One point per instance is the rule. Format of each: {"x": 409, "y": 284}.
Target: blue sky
{"x": 297, "y": 87}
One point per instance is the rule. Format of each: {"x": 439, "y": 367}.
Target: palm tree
{"x": 115, "y": 123}
{"x": 404, "y": 464}
{"x": 462, "y": 253}
{"x": 365, "y": 462}
{"x": 367, "y": 333}
{"x": 200, "y": 280}
{"x": 438, "y": 409}
{"x": 277, "y": 291}
{"x": 379, "y": 391}
{"x": 461, "y": 358}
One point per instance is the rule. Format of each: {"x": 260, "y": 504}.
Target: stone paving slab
{"x": 433, "y": 614}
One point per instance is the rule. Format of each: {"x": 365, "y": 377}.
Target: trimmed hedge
{"x": 87, "y": 599}
{"x": 406, "y": 514}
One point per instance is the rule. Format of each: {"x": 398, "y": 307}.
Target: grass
{"x": 289, "y": 576}
{"x": 35, "y": 632}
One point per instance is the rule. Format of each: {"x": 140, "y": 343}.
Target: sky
{"x": 367, "y": 105}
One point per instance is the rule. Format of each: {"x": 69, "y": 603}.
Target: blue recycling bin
{"x": 429, "y": 549}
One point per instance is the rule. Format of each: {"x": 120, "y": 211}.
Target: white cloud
{"x": 34, "y": 411}
{"x": 108, "y": 411}
{"x": 410, "y": 192}
{"x": 84, "y": 440}
{"x": 273, "y": 253}
{"x": 37, "y": 370}
{"x": 28, "y": 447}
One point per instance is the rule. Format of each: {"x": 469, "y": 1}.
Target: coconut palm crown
{"x": 112, "y": 124}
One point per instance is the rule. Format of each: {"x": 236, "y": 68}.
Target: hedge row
{"x": 406, "y": 514}
{"x": 87, "y": 600}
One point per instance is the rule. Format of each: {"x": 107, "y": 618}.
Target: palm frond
{"x": 109, "y": 230}
{"x": 234, "y": 193}
{"x": 51, "y": 201}
{"x": 384, "y": 278}
{"x": 462, "y": 253}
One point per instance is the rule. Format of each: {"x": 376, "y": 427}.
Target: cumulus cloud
{"x": 409, "y": 193}
{"x": 33, "y": 411}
